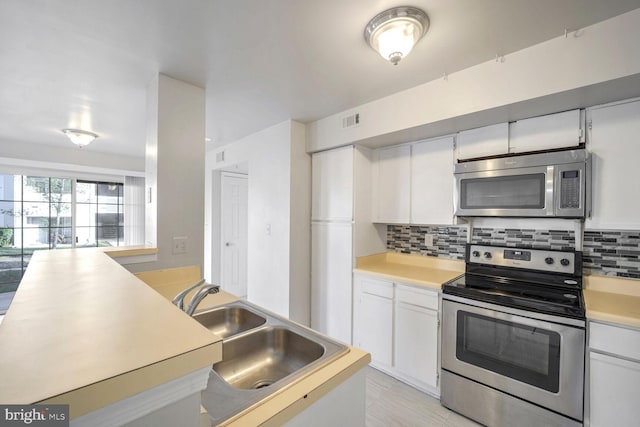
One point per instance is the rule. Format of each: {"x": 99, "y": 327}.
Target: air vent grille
{"x": 351, "y": 121}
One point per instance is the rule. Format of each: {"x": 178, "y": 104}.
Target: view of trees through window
{"x": 53, "y": 213}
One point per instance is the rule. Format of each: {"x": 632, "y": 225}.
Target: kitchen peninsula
{"x": 84, "y": 331}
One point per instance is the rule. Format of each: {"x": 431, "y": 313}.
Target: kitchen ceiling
{"x": 86, "y": 63}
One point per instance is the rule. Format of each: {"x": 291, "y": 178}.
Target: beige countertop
{"x": 429, "y": 272}
{"x": 124, "y": 251}
{"x": 612, "y": 299}
{"x": 82, "y": 330}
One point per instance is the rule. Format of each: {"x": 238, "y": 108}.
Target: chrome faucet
{"x": 179, "y": 299}
{"x": 199, "y": 296}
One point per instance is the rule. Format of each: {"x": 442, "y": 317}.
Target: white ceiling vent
{"x": 351, "y": 121}
{"x": 220, "y": 157}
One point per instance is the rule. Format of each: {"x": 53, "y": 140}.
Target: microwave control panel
{"x": 570, "y": 189}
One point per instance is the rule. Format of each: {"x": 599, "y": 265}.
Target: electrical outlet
{"x": 180, "y": 245}
{"x": 428, "y": 240}
{"x": 267, "y": 229}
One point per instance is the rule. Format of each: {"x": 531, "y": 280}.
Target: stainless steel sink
{"x": 258, "y": 359}
{"x": 261, "y": 358}
{"x": 228, "y": 321}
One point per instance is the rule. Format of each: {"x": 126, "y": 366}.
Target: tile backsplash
{"x": 525, "y": 238}
{"x": 448, "y": 241}
{"x": 612, "y": 253}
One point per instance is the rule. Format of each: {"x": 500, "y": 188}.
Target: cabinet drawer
{"x": 415, "y": 296}
{"x": 376, "y": 287}
{"x": 615, "y": 340}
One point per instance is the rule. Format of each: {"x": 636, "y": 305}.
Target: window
{"x": 99, "y": 214}
{"x": 39, "y": 213}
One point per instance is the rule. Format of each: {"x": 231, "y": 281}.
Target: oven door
{"x": 538, "y": 361}
{"x": 520, "y": 192}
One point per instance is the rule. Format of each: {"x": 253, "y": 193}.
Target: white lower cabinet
{"x": 416, "y": 344}
{"x": 398, "y": 324}
{"x": 614, "y": 375}
{"x": 373, "y": 319}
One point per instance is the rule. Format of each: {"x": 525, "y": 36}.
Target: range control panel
{"x": 532, "y": 259}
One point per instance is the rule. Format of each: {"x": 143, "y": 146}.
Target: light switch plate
{"x": 179, "y": 245}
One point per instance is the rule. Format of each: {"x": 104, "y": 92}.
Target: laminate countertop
{"x": 83, "y": 331}
{"x": 428, "y": 272}
{"x": 612, "y": 299}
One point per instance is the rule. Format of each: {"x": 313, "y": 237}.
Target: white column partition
{"x": 134, "y": 210}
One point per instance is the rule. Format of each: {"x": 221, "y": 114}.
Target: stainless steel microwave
{"x": 554, "y": 184}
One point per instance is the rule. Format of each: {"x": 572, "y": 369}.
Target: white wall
{"x": 174, "y": 172}
{"x": 279, "y": 200}
{"x": 269, "y": 206}
{"x": 597, "y": 54}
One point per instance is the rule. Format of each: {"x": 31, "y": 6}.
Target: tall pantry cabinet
{"x": 341, "y": 230}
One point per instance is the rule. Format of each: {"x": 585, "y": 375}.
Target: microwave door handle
{"x": 550, "y": 191}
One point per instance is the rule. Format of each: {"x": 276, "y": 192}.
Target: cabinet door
{"x": 392, "y": 180}
{"x": 545, "y": 132}
{"x": 615, "y": 152}
{"x": 613, "y": 391}
{"x": 416, "y": 343}
{"x": 481, "y": 142}
{"x": 432, "y": 182}
{"x": 373, "y": 324}
{"x": 331, "y": 273}
{"x": 332, "y": 184}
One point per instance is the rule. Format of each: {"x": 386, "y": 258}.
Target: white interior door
{"x": 233, "y": 233}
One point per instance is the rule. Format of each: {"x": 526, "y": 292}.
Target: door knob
{"x": 228, "y": 244}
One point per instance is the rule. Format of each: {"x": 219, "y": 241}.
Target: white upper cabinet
{"x": 332, "y": 182}
{"x": 432, "y": 181}
{"x": 392, "y": 184}
{"x": 481, "y": 142}
{"x": 545, "y": 132}
{"x": 615, "y": 153}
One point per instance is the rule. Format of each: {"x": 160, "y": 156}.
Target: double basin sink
{"x": 261, "y": 354}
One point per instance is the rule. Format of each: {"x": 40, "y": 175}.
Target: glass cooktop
{"x": 566, "y": 302}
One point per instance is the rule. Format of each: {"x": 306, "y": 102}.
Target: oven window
{"x": 520, "y": 352}
{"x": 503, "y": 192}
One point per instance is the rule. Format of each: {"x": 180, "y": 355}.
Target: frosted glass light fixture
{"x": 80, "y": 137}
{"x": 394, "y": 32}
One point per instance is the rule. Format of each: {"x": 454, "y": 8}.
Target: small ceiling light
{"x": 394, "y": 32}
{"x": 80, "y": 137}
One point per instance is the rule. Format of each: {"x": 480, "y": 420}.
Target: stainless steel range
{"x": 513, "y": 337}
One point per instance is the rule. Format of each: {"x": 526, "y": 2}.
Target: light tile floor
{"x": 392, "y": 403}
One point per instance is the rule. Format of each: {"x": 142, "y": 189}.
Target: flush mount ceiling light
{"x": 394, "y": 32}
{"x": 80, "y": 137}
